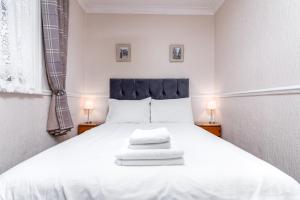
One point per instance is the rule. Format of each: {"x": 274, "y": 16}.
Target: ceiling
{"x": 168, "y": 7}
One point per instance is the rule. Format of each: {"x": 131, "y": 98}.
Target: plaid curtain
{"x": 55, "y": 14}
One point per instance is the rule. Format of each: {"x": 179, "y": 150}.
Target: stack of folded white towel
{"x": 150, "y": 147}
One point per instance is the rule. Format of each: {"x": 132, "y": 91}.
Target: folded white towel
{"x": 153, "y": 136}
{"x": 148, "y": 154}
{"x": 175, "y": 161}
{"x": 165, "y": 145}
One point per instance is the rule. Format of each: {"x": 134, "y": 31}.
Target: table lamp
{"x": 212, "y": 105}
{"x": 89, "y": 106}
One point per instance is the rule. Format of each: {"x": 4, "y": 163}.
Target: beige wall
{"x": 257, "y": 44}
{"x": 23, "y": 117}
{"x": 150, "y": 37}
{"x": 258, "y": 47}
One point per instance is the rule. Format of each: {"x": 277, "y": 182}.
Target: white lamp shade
{"x": 212, "y": 105}
{"x": 89, "y": 105}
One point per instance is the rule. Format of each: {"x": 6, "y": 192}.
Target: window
{"x": 20, "y": 46}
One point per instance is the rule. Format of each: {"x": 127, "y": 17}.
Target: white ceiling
{"x": 168, "y": 7}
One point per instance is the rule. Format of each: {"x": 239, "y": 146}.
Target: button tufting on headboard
{"x": 131, "y": 89}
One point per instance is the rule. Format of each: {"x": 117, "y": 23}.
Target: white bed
{"x": 83, "y": 168}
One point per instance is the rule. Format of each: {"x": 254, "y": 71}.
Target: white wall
{"x": 23, "y": 117}
{"x": 150, "y": 37}
{"x": 258, "y": 47}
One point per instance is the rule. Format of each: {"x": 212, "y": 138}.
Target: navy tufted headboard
{"x": 135, "y": 89}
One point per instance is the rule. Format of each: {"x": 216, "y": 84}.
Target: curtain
{"x": 20, "y": 57}
{"x": 55, "y": 15}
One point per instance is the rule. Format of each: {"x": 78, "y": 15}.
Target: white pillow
{"x": 128, "y": 111}
{"x": 171, "y": 110}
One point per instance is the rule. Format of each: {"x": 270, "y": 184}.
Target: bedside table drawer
{"x": 82, "y": 129}
{"x": 87, "y": 126}
{"x": 213, "y": 129}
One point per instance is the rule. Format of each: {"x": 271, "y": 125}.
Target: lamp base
{"x": 88, "y": 117}
{"x": 212, "y": 118}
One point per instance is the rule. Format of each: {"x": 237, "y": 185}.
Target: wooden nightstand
{"x": 215, "y": 129}
{"x": 87, "y": 126}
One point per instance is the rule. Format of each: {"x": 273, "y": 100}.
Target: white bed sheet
{"x": 84, "y": 168}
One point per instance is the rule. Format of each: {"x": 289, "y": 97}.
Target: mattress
{"x": 84, "y": 168}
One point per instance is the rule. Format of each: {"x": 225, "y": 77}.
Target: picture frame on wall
{"x": 176, "y": 53}
{"x": 123, "y": 52}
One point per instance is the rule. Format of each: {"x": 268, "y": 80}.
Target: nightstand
{"x": 215, "y": 129}
{"x": 87, "y": 126}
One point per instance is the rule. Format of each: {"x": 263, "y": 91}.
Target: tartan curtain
{"x": 55, "y": 14}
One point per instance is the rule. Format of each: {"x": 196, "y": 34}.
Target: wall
{"x": 258, "y": 47}
{"x": 150, "y": 37}
{"x": 23, "y": 117}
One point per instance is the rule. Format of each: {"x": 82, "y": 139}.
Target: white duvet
{"x": 84, "y": 168}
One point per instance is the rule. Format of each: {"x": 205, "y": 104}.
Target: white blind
{"x": 20, "y": 46}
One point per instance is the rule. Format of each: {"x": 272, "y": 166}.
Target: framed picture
{"x": 123, "y": 52}
{"x": 176, "y": 52}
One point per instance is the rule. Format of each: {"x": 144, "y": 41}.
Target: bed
{"x": 84, "y": 168}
